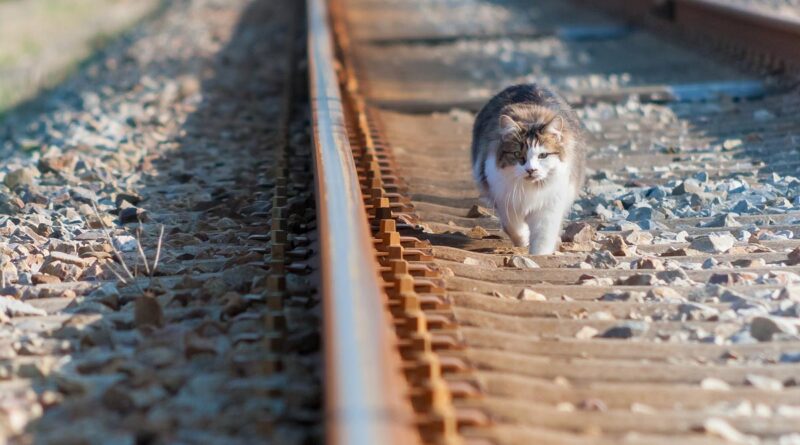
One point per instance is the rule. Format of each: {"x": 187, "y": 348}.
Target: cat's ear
{"x": 555, "y": 127}
{"x": 508, "y": 125}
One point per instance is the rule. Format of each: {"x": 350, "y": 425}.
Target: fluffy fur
{"x": 528, "y": 156}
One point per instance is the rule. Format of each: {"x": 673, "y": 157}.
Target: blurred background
{"x": 41, "y": 41}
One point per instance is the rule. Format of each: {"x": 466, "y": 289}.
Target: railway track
{"x": 670, "y": 312}
{"x": 317, "y": 264}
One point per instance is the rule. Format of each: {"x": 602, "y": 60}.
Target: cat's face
{"x": 530, "y": 151}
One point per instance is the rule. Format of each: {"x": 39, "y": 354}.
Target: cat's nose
{"x": 531, "y": 171}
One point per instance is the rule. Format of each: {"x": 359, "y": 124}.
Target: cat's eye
{"x": 544, "y": 155}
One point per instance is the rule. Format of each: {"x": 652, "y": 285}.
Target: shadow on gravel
{"x": 198, "y": 103}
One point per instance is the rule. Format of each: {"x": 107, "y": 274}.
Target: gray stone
{"x": 82, "y": 194}
{"x": 791, "y": 293}
{"x": 665, "y": 294}
{"x": 688, "y": 186}
{"x": 697, "y": 311}
{"x": 763, "y": 382}
{"x": 13, "y": 308}
{"x": 579, "y": 232}
{"x": 673, "y": 276}
{"x": 744, "y": 207}
{"x": 790, "y": 357}
{"x": 722, "y": 220}
{"x": 521, "y": 262}
{"x": 710, "y": 263}
{"x": 602, "y": 259}
{"x": 737, "y": 300}
{"x": 713, "y": 243}
{"x": 623, "y": 296}
{"x": 640, "y": 214}
{"x": 625, "y": 330}
{"x": 132, "y": 215}
{"x": 639, "y": 279}
{"x": 764, "y": 328}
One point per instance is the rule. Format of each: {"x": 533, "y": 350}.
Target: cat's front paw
{"x": 540, "y": 249}
{"x": 520, "y": 243}
{"x": 519, "y": 234}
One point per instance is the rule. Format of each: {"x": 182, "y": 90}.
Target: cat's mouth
{"x": 533, "y": 179}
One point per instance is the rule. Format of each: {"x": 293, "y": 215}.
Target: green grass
{"x": 41, "y": 41}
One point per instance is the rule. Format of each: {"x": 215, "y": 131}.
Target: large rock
{"x": 713, "y": 243}
{"x": 579, "y": 232}
{"x": 521, "y": 262}
{"x": 21, "y": 177}
{"x": 765, "y": 327}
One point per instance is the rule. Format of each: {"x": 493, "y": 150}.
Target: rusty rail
{"x": 487, "y": 368}
{"x": 364, "y": 400}
{"x": 771, "y": 36}
{"x": 761, "y": 38}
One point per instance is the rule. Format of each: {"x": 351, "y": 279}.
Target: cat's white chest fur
{"x": 530, "y": 213}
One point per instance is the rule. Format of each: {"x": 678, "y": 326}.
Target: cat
{"x": 528, "y": 159}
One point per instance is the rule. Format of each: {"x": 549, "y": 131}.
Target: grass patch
{"x": 42, "y": 41}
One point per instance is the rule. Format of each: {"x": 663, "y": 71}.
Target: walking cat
{"x": 528, "y": 158}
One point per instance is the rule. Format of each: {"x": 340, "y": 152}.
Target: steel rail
{"x": 765, "y": 37}
{"x": 758, "y": 30}
{"x": 364, "y": 402}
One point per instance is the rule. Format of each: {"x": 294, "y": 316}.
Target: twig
{"x": 119, "y": 277}
{"x": 111, "y": 241}
{"x": 158, "y": 251}
{"x": 141, "y": 251}
{"x": 116, "y": 252}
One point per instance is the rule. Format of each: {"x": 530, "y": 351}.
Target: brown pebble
{"x": 649, "y": 263}
{"x": 234, "y": 304}
{"x": 68, "y": 258}
{"x": 148, "y": 312}
{"x": 43, "y": 278}
{"x": 58, "y": 164}
{"x": 578, "y": 232}
{"x": 794, "y": 257}
{"x": 616, "y": 245}
{"x": 675, "y": 252}
{"x": 593, "y": 405}
{"x": 478, "y": 232}
{"x": 477, "y": 211}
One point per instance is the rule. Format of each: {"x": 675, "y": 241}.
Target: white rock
{"x": 713, "y": 243}
{"x": 530, "y": 295}
{"x": 125, "y": 243}
{"x": 14, "y": 308}
{"x": 713, "y": 384}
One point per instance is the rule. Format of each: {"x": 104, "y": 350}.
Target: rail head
{"x": 746, "y": 14}
{"x": 364, "y": 401}
{"x": 769, "y": 39}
